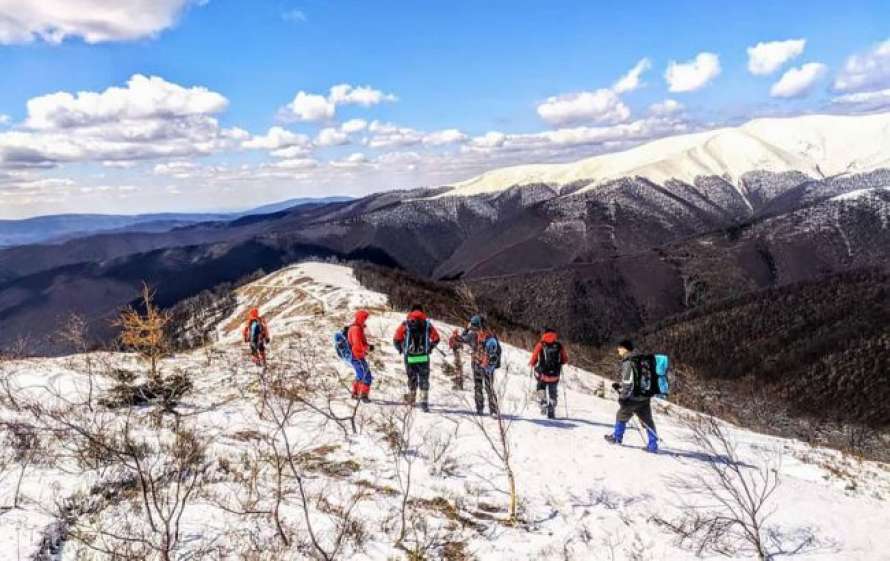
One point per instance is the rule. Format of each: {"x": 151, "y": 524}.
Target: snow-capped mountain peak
{"x": 816, "y": 145}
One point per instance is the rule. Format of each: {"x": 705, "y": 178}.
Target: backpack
{"x": 550, "y": 359}
{"x": 341, "y": 344}
{"x": 650, "y": 375}
{"x": 491, "y": 351}
{"x": 256, "y": 331}
{"x": 416, "y": 346}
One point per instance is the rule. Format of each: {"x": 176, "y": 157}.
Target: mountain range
{"x": 600, "y": 247}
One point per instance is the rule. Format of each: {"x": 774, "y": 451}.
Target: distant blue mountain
{"x": 61, "y": 227}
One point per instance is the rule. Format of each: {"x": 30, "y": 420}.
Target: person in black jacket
{"x": 629, "y": 402}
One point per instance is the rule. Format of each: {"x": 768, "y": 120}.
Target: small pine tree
{"x": 145, "y": 332}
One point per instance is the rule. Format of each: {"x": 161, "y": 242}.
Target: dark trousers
{"x": 484, "y": 380}
{"x": 551, "y": 391}
{"x": 642, "y": 409}
{"x": 418, "y": 376}
{"x": 258, "y": 352}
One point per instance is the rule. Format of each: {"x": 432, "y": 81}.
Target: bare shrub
{"x": 728, "y": 507}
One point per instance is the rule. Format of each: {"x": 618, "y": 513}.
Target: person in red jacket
{"x": 415, "y": 339}
{"x": 256, "y": 333}
{"x": 547, "y": 359}
{"x": 359, "y": 346}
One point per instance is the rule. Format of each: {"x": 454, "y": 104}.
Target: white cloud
{"x": 366, "y": 96}
{"x": 294, "y": 16}
{"x": 144, "y": 97}
{"x": 631, "y": 81}
{"x": 447, "y": 136}
{"x": 149, "y": 118}
{"x": 866, "y": 71}
{"x": 4, "y": 119}
{"x": 276, "y": 138}
{"x": 311, "y": 107}
{"x": 798, "y": 82}
{"x": 291, "y": 152}
{"x": 388, "y": 135}
{"x": 94, "y": 21}
{"x": 352, "y": 161}
{"x": 666, "y": 107}
{"x": 693, "y": 74}
{"x": 181, "y": 169}
{"x": 864, "y": 101}
{"x": 766, "y": 57}
{"x": 491, "y": 139}
{"x": 600, "y": 106}
{"x": 296, "y": 164}
{"x": 354, "y": 125}
{"x": 331, "y": 136}
{"x": 315, "y": 107}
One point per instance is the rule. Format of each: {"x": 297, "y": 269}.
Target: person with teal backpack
{"x": 642, "y": 377}
{"x": 415, "y": 339}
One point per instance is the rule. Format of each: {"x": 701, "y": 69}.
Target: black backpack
{"x": 550, "y": 359}
{"x": 645, "y": 376}
{"x": 417, "y": 341}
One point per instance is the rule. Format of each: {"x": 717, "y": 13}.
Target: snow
{"x": 577, "y": 492}
{"x": 859, "y": 194}
{"x": 816, "y": 145}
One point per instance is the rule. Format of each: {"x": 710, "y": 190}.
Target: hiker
{"x": 415, "y": 339}
{"x": 547, "y": 360}
{"x": 631, "y": 400}
{"x": 485, "y": 359}
{"x": 256, "y": 333}
{"x": 358, "y": 345}
{"x": 455, "y": 345}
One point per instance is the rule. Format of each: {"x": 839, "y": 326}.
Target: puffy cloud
{"x": 798, "y": 82}
{"x": 447, "y": 136}
{"x": 149, "y": 118}
{"x": 181, "y": 169}
{"x": 631, "y": 81}
{"x": 95, "y": 21}
{"x": 600, "y": 106}
{"x": 388, "y": 135}
{"x": 864, "y": 101}
{"x": 315, "y": 107}
{"x": 276, "y": 138}
{"x": 291, "y": 152}
{"x": 694, "y": 74}
{"x": 354, "y": 125}
{"x": 866, "y": 71}
{"x": 4, "y": 119}
{"x": 354, "y": 160}
{"x": 366, "y": 96}
{"x": 331, "y": 136}
{"x": 143, "y": 98}
{"x": 491, "y": 139}
{"x": 766, "y": 57}
{"x": 310, "y": 107}
{"x": 666, "y": 107}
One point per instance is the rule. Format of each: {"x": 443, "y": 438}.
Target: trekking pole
{"x": 565, "y": 400}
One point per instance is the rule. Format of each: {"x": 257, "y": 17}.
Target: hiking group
{"x": 640, "y": 376}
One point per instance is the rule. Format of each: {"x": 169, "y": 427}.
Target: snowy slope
{"x": 580, "y": 498}
{"x": 816, "y": 145}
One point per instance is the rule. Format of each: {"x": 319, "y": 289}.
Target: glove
{"x": 370, "y": 347}
{"x": 616, "y": 386}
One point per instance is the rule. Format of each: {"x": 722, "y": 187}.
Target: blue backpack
{"x": 341, "y": 345}
{"x": 662, "y": 367}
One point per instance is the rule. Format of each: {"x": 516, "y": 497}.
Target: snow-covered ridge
{"x": 859, "y": 194}
{"x": 581, "y": 498}
{"x": 816, "y": 145}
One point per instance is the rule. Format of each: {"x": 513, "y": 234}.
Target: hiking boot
{"x": 424, "y": 406}
{"x": 479, "y": 412}
{"x": 551, "y": 414}
{"x": 610, "y": 438}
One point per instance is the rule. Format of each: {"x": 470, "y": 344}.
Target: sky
{"x": 136, "y": 106}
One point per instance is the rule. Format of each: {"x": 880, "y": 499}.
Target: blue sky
{"x": 435, "y": 92}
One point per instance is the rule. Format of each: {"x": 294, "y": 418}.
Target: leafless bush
{"x": 496, "y": 433}
{"x": 75, "y": 334}
{"x": 20, "y": 447}
{"x": 438, "y": 445}
{"x": 727, "y": 508}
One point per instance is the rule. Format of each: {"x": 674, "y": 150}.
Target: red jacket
{"x": 254, "y": 315}
{"x": 399, "y": 337}
{"x": 356, "y": 336}
{"x": 548, "y": 338}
